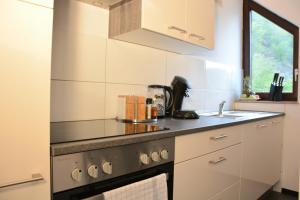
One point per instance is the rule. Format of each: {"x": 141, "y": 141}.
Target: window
{"x": 270, "y": 46}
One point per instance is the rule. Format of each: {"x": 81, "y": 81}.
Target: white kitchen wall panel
{"x": 78, "y": 56}
{"x": 192, "y": 68}
{"x": 134, "y": 64}
{"x": 218, "y": 76}
{"x": 196, "y": 100}
{"x": 72, "y": 100}
{"x": 25, "y": 49}
{"x": 79, "y": 42}
{"x": 114, "y": 90}
{"x": 134, "y": 67}
{"x": 76, "y": 16}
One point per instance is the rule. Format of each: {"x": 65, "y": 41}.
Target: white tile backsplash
{"x": 134, "y": 64}
{"x": 114, "y": 90}
{"x": 78, "y": 56}
{"x": 218, "y": 76}
{"x": 191, "y": 68}
{"x": 103, "y": 68}
{"x": 71, "y": 100}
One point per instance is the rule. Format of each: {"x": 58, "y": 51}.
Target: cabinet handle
{"x": 197, "y": 36}
{"x": 178, "y": 29}
{"x": 34, "y": 178}
{"x": 220, "y": 137}
{"x": 261, "y": 126}
{"x": 275, "y": 122}
{"x": 214, "y": 162}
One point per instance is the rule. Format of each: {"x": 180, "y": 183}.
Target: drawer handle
{"x": 220, "y": 137}
{"x": 177, "y": 29}
{"x": 34, "y": 178}
{"x": 197, "y": 36}
{"x": 214, "y": 162}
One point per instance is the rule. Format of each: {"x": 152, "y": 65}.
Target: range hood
{"x": 102, "y": 3}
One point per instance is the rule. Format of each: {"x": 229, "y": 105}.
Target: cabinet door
{"x": 201, "y": 22}
{"x": 167, "y": 17}
{"x": 204, "y": 177}
{"x": 25, "y": 49}
{"x": 231, "y": 193}
{"x": 261, "y": 165}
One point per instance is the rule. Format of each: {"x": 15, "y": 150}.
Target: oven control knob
{"x": 107, "y": 167}
{"x": 144, "y": 158}
{"x": 93, "y": 171}
{"x": 76, "y": 175}
{"x": 155, "y": 156}
{"x": 164, "y": 154}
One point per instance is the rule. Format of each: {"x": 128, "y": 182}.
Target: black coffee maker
{"x": 180, "y": 88}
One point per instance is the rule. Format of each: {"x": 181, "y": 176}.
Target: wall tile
{"x": 191, "y": 68}
{"x": 195, "y": 101}
{"x": 134, "y": 64}
{"x": 218, "y": 76}
{"x": 75, "y": 16}
{"x": 77, "y": 100}
{"x": 78, "y": 56}
{"x": 114, "y": 90}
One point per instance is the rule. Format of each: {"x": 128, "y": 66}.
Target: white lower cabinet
{"x": 239, "y": 162}
{"x": 203, "y": 177}
{"x": 261, "y": 164}
{"x": 231, "y": 193}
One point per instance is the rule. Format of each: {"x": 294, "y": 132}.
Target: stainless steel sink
{"x": 232, "y": 116}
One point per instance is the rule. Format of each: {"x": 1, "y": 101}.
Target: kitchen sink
{"x": 233, "y": 114}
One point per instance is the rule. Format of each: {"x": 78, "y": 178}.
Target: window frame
{"x": 250, "y": 5}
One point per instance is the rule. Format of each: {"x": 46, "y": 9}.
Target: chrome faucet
{"x": 221, "y": 108}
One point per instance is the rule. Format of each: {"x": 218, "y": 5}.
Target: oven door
{"x": 94, "y": 191}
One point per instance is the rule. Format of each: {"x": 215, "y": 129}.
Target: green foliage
{"x": 271, "y": 52}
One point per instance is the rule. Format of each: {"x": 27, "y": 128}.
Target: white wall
{"x": 288, "y": 9}
{"x": 89, "y": 70}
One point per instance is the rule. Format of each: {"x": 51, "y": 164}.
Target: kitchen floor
{"x": 279, "y": 196}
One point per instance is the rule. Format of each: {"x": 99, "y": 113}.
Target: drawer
{"x": 198, "y": 144}
{"x": 203, "y": 177}
{"x": 231, "y": 193}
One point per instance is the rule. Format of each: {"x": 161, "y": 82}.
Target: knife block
{"x": 278, "y": 93}
{"x": 275, "y": 93}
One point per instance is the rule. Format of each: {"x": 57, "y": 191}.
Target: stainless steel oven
{"x": 86, "y": 175}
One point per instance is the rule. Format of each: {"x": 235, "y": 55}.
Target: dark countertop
{"x": 177, "y": 127}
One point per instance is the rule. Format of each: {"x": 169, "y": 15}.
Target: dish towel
{"x": 154, "y": 188}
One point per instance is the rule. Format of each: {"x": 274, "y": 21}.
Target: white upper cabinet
{"x": 181, "y": 26}
{"x": 200, "y": 22}
{"x": 176, "y": 19}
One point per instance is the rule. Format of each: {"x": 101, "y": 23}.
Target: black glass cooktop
{"x": 62, "y": 132}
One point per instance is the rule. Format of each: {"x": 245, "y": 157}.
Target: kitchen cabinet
{"x": 25, "y": 49}
{"x": 200, "y": 18}
{"x": 205, "y": 176}
{"x": 231, "y": 193}
{"x": 261, "y": 159}
{"x": 195, "y": 145}
{"x": 177, "y": 26}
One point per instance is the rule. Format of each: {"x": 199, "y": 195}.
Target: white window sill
{"x": 267, "y": 102}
